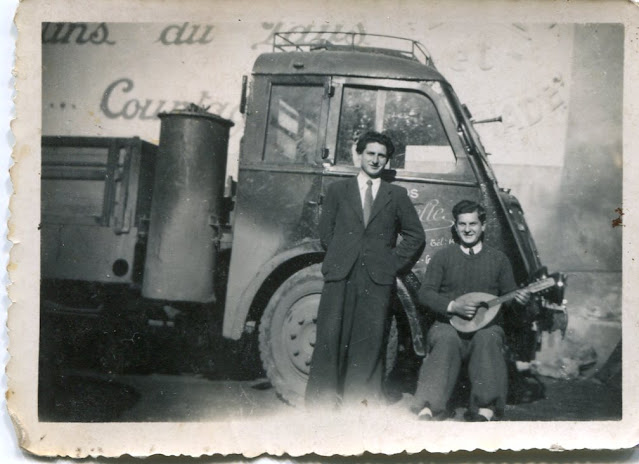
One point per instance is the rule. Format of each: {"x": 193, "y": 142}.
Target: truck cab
{"x": 308, "y": 104}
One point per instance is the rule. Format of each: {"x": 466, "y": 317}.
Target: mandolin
{"x": 488, "y": 305}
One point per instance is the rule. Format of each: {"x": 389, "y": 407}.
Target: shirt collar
{"x": 363, "y": 178}
{"x": 476, "y": 249}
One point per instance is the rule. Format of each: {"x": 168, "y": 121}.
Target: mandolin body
{"x": 483, "y": 316}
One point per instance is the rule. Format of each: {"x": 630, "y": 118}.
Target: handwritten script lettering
{"x": 530, "y": 110}
{"x": 440, "y": 242}
{"x": 333, "y": 33}
{"x": 113, "y": 106}
{"x": 186, "y": 34}
{"x": 80, "y": 33}
{"x": 479, "y": 55}
{"x": 433, "y": 216}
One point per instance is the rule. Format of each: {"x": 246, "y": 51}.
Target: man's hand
{"x": 522, "y": 296}
{"x": 466, "y": 310}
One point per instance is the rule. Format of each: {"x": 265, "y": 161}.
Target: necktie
{"x": 471, "y": 251}
{"x": 368, "y": 201}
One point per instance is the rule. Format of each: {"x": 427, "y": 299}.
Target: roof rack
{"x": 303, "y": 41}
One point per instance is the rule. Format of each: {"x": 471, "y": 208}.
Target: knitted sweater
{"x": 452, "y": 273}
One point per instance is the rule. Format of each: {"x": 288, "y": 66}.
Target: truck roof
{"x": 366, "y": 62}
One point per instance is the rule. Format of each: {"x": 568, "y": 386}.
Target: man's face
{"x": 469, "y": 228}
{"x": 373, "y": 159}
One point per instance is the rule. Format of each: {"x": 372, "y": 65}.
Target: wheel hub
{"x": 299, "y": 332}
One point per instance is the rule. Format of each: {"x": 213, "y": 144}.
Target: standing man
{"x": 469, "y": 266}
{"x": 360, "y": 222}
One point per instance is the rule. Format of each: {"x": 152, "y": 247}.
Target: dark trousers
{"x": 446, "y": 350}
{"x": 348, "y": 361}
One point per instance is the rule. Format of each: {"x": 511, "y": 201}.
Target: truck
{"x": 137, "y": 237}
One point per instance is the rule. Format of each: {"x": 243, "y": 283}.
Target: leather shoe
{"x": 425, "y": 414}
{"x": 471, "y": 416}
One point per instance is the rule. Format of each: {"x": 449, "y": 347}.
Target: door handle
{"x": 315, "y": 203}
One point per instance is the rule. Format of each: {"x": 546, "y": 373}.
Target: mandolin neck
{"x": 535, "y": 287}
{"x": 505, "y": 298}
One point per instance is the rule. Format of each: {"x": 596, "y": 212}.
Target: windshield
{"x": 413, "y": 121}
{"x": 410, "y": 119}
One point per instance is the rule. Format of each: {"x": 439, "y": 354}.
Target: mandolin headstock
{"x": 555, "y": 293}
{"x": 552, "y": 286}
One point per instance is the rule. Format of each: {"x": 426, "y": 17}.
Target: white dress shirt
{"x": 361, "y": 182}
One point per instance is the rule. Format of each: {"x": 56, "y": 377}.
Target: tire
{"x": 287, "y": 334}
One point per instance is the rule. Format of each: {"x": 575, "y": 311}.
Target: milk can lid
{"x": 193, "y": 110}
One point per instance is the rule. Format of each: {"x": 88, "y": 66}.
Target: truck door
{"x": 279, "y": 182}
{"x": 430, "y": 160}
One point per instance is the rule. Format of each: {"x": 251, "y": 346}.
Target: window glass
{"x": 293, "y": 124}
{"x": 410, "y": 119}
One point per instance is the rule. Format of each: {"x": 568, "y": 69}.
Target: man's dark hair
{"x": 468, "y": 206}
{"x": 375, "y": 137}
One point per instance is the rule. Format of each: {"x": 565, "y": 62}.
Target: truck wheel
{"x": 287, "y": 334}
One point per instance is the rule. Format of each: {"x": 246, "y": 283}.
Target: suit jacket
{"x": 346, "y": 238}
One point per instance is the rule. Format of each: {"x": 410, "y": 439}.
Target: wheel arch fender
{"x": 268, "y": 278}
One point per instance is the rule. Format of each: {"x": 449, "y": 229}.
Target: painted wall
{"x": 113, "y": 79}
{"x": 557, "y": 87}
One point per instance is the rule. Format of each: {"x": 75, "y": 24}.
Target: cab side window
{"x": 409, "y": 118}
{"x": 293, "y": 124}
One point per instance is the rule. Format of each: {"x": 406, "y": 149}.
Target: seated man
{"x": 464, "y": 267}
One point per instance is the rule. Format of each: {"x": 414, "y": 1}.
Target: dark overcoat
{"x": 359, "y": 269}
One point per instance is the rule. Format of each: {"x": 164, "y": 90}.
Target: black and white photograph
{"x": 337, "y": 229}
